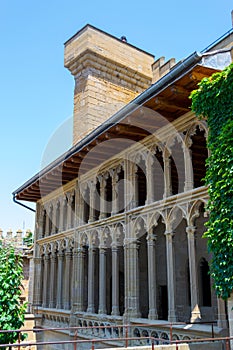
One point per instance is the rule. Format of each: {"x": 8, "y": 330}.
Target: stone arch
{"x": 175, "y": 216}
{"x": 139, "y": 226}
{"x": 194, "y": 211}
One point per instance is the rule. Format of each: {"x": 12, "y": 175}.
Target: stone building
{"x": 120, "y": 216}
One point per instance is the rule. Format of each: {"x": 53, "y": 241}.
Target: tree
{"x": 11, "y": 310}
{"x": 213, "y": 100}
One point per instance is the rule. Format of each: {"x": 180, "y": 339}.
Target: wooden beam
{"x": 168, "y": 103}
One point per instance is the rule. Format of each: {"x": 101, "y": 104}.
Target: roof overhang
{"x": 168, "y": 97}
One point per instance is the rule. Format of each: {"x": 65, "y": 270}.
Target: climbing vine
{"x": 213, "y": 100}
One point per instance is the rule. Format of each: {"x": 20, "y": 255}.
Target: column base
{"x": 195, "y": 316}
{"x": 153, "y": 314}
{"x": 115, "y": 311}
{"x": 91, "y": 310}
{"x": 172, "y": 316}
{"x": 102, "y": 312}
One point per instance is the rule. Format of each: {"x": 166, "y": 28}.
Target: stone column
{"x": 150, "y": 179}
{"x": 91, "y": 279}
{"x": 61, "y": 215}
{"x": 167, "y": 176}
{"x": 151, "y": 241}
{"x": 170, "y": 276}
{"x": 37, "y": 288}
{"x": 78, "y": 268}
{"x": 45, "y": 281}
{"x": 230, "y": 317}
{"x": 188, "y": 167}
{"x": 222, "y": 317}
{"x": 103, "y": 197}
{"x": 47, "y": 223}
{"x": 195, "y": 311}
{"x": 92, "y": 186}
{"x": 102, "y": 280}
{"x": 53, "y": 218}
{"x": 132, "y": 291}
{"x": 69, "y": 210}
{"x": 53, "y": 279}
{"x": 67, "y": 280}
{"x": 115, "y": 281}
{"x": 60, "y": 256}
{"x": 115, "y": 194}
{"x": 131, "y": 193}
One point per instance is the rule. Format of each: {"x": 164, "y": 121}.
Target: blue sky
{"x": 37, "y": 91}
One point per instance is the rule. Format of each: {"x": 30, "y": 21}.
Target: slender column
{"x": 131, "y": 193}
{"x": 91, "y": 279}
{"x": 37, "y": 288}
{"x": 53, "y": 218}
{"x": 170, "y": 276}
{"x": 60, "y": 256}
{"x": 222, "y": 317}
{"x": 133, "y": 278}
{"x": 78, "y": 268}
{"x": 115, "y": 280}
{"x": 102, "y": 281}
{"x": 188, "y": 168}
{"x": 69, "y": 210}
{"x": 61, "y": 216}
{"x": 103, "y": 197}
{"x": 115, "y": 194}
{"x": 167, "y": 176}
{"x": 195, "y": 311}
{"x": 47, "y": 222}
{"x": 53, "y": 279}
{"x": 45, "y": 281}
{"x": 92, "y": 187}
{"x": 151, "y": 240}
{"x": 150, "y": 179}
{"x": 67, "y": 282}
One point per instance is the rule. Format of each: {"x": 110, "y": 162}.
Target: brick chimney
{"x": 108, "y": 74}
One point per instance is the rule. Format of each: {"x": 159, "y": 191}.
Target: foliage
{"x": 213, "y": 100}
{"x": 28, "y": 240}
{"x": 11, "y": 310}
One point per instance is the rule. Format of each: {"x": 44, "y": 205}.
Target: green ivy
{"x": 11, "y": 310}
{"x": 214, "y": 100}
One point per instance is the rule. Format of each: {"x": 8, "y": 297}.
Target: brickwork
{"x": 103, "y": 81}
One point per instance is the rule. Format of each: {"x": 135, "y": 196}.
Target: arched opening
{"x": 143, "y": 277}
{"x": 205, "y": 286}
{"x": 161, "y": 270}
{"x": 121, "y": 191}
{"x": 86, "y": 205}
{"x": 199, "y": 155}
{"x": 141, "y": 183}
{"x": 57, "y": 217}
{"x": 97, "y": 201}
{"x": 158, "y": 175}
{"x": 177, "y": 167}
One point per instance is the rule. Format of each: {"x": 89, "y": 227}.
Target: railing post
{"x": 92, "y": 345}
{"x": 176, "y": 345}
{"x": 19, "y": 338}
{"x": 152, "y": 344}
{"x": 227, "y": 344}
{"x": 126, "y": 336}
{"x": 75, "y": 338}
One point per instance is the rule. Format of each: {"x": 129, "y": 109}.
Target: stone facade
{"x": 120, "y": 242}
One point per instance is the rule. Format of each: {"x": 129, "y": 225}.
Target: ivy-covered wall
{"x": 214, "y": 100}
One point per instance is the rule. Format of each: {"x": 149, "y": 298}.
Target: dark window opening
{"x": 199, "y": 155}
{"x": 141, "y": 182}
{"x": 205, "y": 283}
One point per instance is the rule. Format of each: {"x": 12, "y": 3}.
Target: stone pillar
{"x": 53, "y": 218}
{"x": 60, "y": 256}
{"x": 79, "y": 205}
{"x": 46, "y": 281}
{"x": 67, "y": 280}
{"x": 167, "y": 176}
{"x": 102, "y": 280}
{"x": 151, "y": 241}
{"x": 150, "y": 179}
{"x": 195, "y": 311}
{"x": 132, "y": 289}
{"x": 69, "y": 210}
{"x": 103, "y": 197}
{"x": 78, "y": 268}
{"x": 53, "y": 279}
{"x": 92, "y": 186}
{"x": 47, "y": 220}
{"x": 37, "y": 288}
{"x": 115, "y": 281}
{"x": 222, "y": 317}
{"x": 131, "y": 188}
{"x": 61, "y": 215}
{"x": 115, "y": 194}
{"x": 188, "y": 168}
{"x": 91, "y": 279}
{"x": 230, "y": 317}
{"x": 170, "y": 276}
